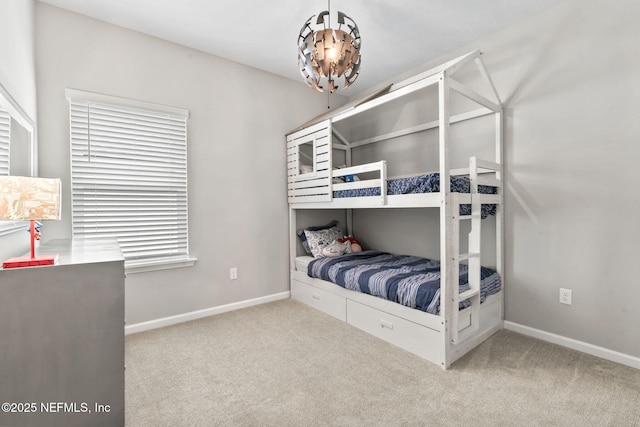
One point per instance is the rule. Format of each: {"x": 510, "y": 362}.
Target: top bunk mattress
{"x": 425, "y": 183}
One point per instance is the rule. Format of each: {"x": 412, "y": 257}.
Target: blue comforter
{"x": 427, "y": 183}
{"x": 408, "y": 280}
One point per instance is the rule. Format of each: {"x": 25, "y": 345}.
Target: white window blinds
{"x": 129, "y": 176}
{"x": 5, "y": 138}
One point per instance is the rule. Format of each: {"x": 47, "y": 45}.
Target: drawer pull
{"x": 385, "y": 324}
{"x": 315, "y": 295}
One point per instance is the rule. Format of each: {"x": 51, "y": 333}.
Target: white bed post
{"x": 447, "y": 266}
{"x": 500, "y": 207}
{"x": 348, "y": 162}
{"x": 292, "y": 239}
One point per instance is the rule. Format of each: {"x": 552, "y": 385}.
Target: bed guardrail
{"x": 380, "y": 181}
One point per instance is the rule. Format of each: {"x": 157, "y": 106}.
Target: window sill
{"x": 166, "y": 264}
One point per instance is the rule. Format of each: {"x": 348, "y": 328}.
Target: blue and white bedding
{"x": 427, "y": 183}
{"x": 408, "y": 280}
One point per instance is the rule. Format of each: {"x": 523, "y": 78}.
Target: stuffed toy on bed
{"x": 345, "y": 245}
{"x": 336, "y": 248}
{"x": 355, "y": 245}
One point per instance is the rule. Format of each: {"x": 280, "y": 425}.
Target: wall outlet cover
{"x": 565, "y": 296}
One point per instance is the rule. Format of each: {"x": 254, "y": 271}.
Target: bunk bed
{"x": 464, "y": 313}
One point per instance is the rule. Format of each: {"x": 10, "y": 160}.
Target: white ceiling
{"x": 397, "y": 35}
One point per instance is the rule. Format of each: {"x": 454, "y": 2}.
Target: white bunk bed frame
{"x": 441, "y": 338}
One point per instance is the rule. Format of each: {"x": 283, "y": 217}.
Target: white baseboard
{"x": 584, "y": 347}
{"x": 199, "y": 314}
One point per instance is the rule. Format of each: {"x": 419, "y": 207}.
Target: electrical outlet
{"x": 233, "y": 273}
{"x": 565, "y": 296}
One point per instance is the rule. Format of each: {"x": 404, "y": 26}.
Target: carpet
{"x": 286, "y": 364}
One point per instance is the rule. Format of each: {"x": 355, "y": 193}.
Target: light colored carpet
{"x": 285, "y": 364}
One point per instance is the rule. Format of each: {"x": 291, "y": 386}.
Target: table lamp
{"x": 33, "y": 199}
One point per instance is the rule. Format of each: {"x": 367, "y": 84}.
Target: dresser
{"x": 62, "y": 338}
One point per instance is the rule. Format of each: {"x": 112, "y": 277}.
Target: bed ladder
{"x": 472, "y": 257}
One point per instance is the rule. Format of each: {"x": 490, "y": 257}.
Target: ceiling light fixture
{"x": 329, "y": 53}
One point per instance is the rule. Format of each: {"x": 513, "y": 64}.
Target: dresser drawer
{"x": 333, "y": 305}
{"x": 417, "y": 339}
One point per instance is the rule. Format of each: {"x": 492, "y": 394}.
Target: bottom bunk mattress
{"x": 408, "y": 280}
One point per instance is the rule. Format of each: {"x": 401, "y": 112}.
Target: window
{"x": 129, "y": 178}
{"x": 5, "y": 138}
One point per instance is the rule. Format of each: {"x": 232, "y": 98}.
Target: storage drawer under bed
{"x": 417, "y": 339}
{"x": 333, "y": 305}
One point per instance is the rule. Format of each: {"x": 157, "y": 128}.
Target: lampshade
{"x": 329, "y": 54}
{"x": 29, "y": 198}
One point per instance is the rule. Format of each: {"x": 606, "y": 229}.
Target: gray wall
{"x": 17, "y": 69}
{"x": 238, "y": 213}
{"x": 17, "y": 75}
{"x": 569, "y": 80}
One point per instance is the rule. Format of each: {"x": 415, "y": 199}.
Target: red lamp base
{"x": 30, "y": 262}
